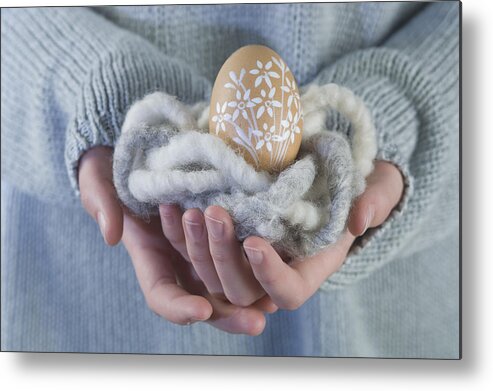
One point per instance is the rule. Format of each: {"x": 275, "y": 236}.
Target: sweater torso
{"x": 307, "y": 36}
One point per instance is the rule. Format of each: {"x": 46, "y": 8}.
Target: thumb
{"x": 98, "y": 195}
{"x": 383, "y": 192}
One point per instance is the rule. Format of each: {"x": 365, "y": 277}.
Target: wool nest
{"x": 165, "y": 154}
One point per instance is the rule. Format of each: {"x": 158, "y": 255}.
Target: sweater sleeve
{"x": 411, "y": 86}
{"x": 68, "y": 77}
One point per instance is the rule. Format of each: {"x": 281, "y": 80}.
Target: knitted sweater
{"x": 70, "y": 74}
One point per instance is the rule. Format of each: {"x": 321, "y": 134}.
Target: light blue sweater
{"x": 70, "y": 74}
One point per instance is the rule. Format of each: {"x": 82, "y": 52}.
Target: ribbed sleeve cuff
{"x": 410, "y": 120}
{"x": 119, "y": 79}
{"x": 124, "y": 74}
{"x": 379, "y": 245}
{"x": 92, "y": 71}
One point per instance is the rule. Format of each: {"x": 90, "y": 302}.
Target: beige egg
{"x": 256, "y": 109}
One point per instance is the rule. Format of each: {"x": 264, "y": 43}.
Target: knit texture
{"x": 77, "y": 89}
{"x": 69, "y": 76}
{"x": 162, "y": 158}
{"x": 425, "y": 99}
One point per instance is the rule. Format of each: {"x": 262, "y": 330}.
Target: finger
{"x": 239, "y": 284}
{"x": 152, "y": 259}
{"x": 282, "y": 283}
{"x": 189, "y": 279}
{"x": 171, "y": 225}
{"x": 237, "y": 320}
{"x": 98, "y": 195}
{"x": 383, "y": 192}
{"x": 197, "y": 248}
{"x": 290, "y": 286}
{"x": 265, "y": 304}
{"x": 226, "y": 316}
{"x": 316, "y": 269}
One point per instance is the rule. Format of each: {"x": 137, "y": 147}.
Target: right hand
{"x": 168, "y": 281}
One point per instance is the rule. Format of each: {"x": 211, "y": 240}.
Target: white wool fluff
{"x": 166, "y": 155}
{"x": 157, "y": 108}
{"x": 144, "y": 184}
{"x": 363, "y": 144}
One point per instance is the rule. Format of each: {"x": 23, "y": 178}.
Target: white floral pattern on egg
{"x": 256, "y": 109}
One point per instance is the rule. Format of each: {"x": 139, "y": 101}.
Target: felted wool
{"x": 166, "y": 155}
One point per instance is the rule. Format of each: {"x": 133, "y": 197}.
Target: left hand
{"x": 169, "y": 284}
{"x": 209, "y": 242}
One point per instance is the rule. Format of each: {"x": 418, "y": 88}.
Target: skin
{"x": 191, "y": 268}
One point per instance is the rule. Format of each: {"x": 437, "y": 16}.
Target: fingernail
{"x": 255, "y": 256}
{"x": 166, "y": 214}
{"x": 215, "y": 227}
{"x": 368, "y": 220}
{"x": 194, "y": 230}
{"x": 102, "y": 223}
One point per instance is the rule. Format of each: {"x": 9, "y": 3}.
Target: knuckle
{"x": 219, "y": 256}
{"x": 198, "y": 243}
{"x": 172, "y": 319}
{"x": 153, "y": 298}
{"x": 199, "y": 257}
{"x": 154, "y": 303}
{"x": 268, "y": 278}
{"x": 216, "y": 240}
{"x": 177, "y": 242}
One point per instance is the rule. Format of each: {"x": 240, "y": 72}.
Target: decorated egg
{"x": 255, "y": 108}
